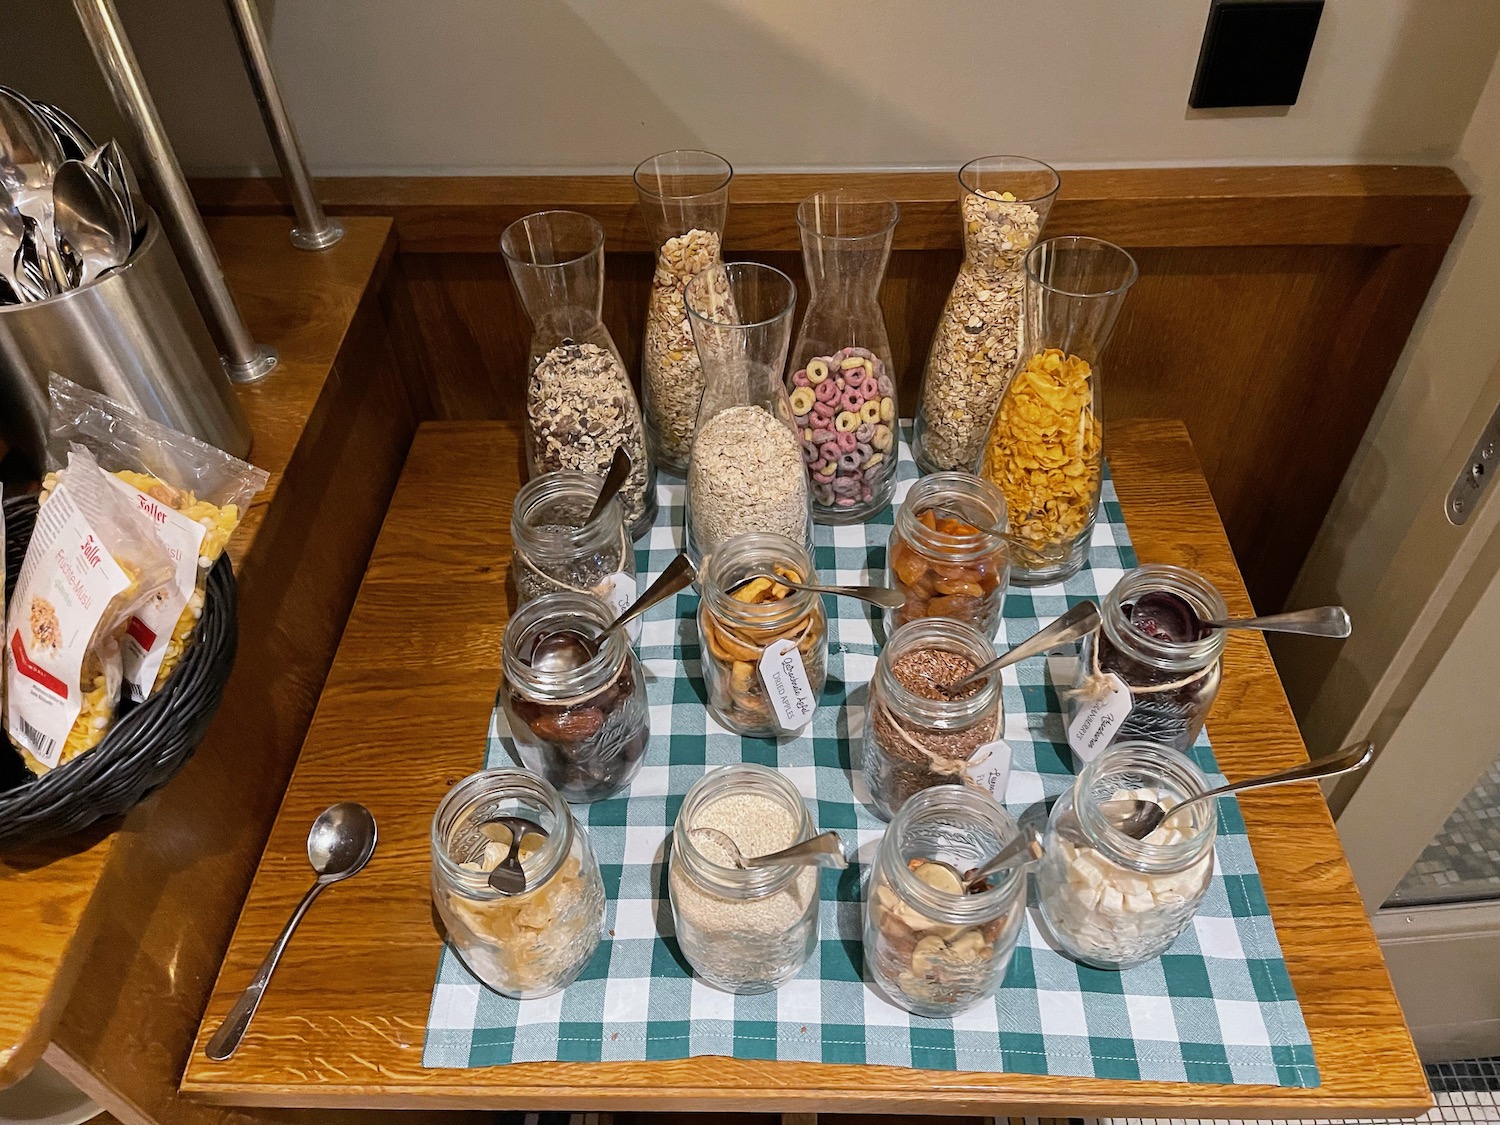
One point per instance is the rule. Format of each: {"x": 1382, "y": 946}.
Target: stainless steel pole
{"x": 314, "y": 229}
{"x": 245, "y": 361}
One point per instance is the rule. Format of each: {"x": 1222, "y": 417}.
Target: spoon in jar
{"x": 1173, "y": 616}
{"x": 508, "y": 877}
{"x": 882, "y": 596}
{"x": 1079, "y": 621}
{"x": 1053, "y": 554}
{"x": 822, "y": 850}
{"x": 566, "y": 649}
{"x": 1025, "y": 848}
{"x": 1138, "y": 819}
{"x": 619, "y": 468}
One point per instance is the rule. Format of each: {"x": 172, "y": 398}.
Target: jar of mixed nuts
{"x": 765, "y": 645}
{"x": 585, "y": 730}
{"x": 557, "y": 548}
{"x": 536, "y": 941}
{"x": 948, "y": 551}
{"x": 742, "y": 930}
{"x": 934, "y": 949}
{"x": 1149, "y": 640}
{"x": 1112, "y": 901}
{"x": 916, "y": 737}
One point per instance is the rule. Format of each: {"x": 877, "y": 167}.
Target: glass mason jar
{"x": 948, "y": 552}
{"x": 529, "y": 944}
{"x": 684, "y": 197}
{"x": 915, "y": 736}
{"x": 933, "y": 949}
{"x": 558, "y": 548}
{"x": 584, "y": 730}
{"x": 1004, "y": 200}
{"x": 738, "y": 623}
{"x": 1045, "y": 448}
{"x": 1111, "y": 901}
{"x": 745, "y": 472}
{"x": 752, "y": 930}
{"x": 843, "y": 388}
{"x": 1171, "y": 667}
{"x": 580, "y": 406}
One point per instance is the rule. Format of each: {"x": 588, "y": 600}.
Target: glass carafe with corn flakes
{"x": 1045, "y": 449}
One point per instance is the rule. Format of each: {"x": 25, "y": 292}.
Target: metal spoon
{"x": 1041, "y": 554}
{"x": 71, "y": 137}
{"x": 883, "y": 596}
{"x": 822, "y": 850}
{"x": 509, "y": 878}
{"x": 566, "y": 649}
{"x": 619, "y": 469}
{"x": 1079, "y": 621}
{"x": 1025, "y": 848}
{"x": 340, "y": 843}
{"x": 1178, "y": 617}
{"x": 90, "y": 220}
{"x": 29, "y": 157}
{"x": 1138, "y": 819}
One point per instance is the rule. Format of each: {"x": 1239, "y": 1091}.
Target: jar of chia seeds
{"x": 746, "y": 930}
{"x": 557, "y": 548}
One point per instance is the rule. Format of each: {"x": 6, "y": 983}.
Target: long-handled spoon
{"x": 1138, "y": 819}
{"x": 614, "y": 479}
{"x": 883, "y": 596}
{"x": 566, "y": 649}
{"x": 1051, "y": 554}
{"x": 822, "y": 850}
{"x": 1174, "y": 616}
{"x": 1079, "y": 621}
{"x": 1025, "y": 848}
{"x": 340, "y": 843}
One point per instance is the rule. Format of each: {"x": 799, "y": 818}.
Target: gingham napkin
{"x": 1217, "y": 1007}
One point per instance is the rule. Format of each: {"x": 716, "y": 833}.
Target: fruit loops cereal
{"x": 844, "y": 406}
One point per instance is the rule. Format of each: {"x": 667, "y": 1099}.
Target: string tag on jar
{"x": 618, "y": 591}
{"x": 1100, "y": 708}
{"x": 787, "y": 686}
{"x": 988, "y": 768}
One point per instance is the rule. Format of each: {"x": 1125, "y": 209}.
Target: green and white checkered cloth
{"x": 1217, "y": 1007}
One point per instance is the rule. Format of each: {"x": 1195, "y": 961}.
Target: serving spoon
{"x": 1175, "y": 616}
{"x": 509, "y": 877}
{"x": 1079, "y": 621}
{"x": 614, "y": 480}
{"x": 1041, "y": 554}
{"x": 882, "y": 596}
{"x": 1025, "y": 848}
{"x": 822, "y": 850}
{"x": 566, "y": 649}
{"x": 1138, "y": 819}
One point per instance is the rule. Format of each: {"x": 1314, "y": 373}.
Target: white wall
{"x": 384, "y": 86}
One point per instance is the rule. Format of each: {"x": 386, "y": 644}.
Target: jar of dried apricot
{"x": 948, "y": 551}
{"x": 765, "y": 645}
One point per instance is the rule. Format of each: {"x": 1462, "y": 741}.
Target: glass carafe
{"x": 843, "y": 390}
{"x": 1045, "y": 449}
{"x": 684, "y": 197}
{"x": 580, "y": 406}
{"x": 745, "y": 473}
{"x": 1004, "y": 201}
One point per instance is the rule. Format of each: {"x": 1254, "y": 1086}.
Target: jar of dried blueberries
{"x": 557, "y": 547}
{"x": 933, "y": 948}
{"x": 584, "y": 729}
{"x": 948, "y": 551}
{"x": 1152, "y": 642}
{"x": 916, "y": 736}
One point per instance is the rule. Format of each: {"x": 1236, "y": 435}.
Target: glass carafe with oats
{"x": 1004, "y": 201}
{"x": 684, "y": 197}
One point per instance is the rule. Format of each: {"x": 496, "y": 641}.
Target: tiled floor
{"x": 1463, "y": 860}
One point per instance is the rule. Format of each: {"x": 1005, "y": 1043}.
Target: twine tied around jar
{"x": 947, "y": 767}
{"x": 598, "y": 591}
{"x": 1095, "y": 684}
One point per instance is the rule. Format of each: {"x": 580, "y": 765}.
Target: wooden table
{"x": 404, "y": 715}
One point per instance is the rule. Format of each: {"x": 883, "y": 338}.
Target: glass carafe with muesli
{"x": 1045, "y": 449}
{"x": 684, "y": 197}
{"x": 843, "y": 390}
{"x": 1004, "y": 201}
{"x": 580, "y": 406}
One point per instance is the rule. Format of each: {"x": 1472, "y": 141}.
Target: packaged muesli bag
{"x": 92, "y": 562}
{"x": 195, "y": 496}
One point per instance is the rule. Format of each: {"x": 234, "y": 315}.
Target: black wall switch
{"x": 1254, "y": 52}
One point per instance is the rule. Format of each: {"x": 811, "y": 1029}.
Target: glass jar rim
{"x": 752, "y": 882}
{"x": 476, "y": 789}
{"x": 1126, "y": 850}
{"x": 555, "y": 486}
{"x": 1025, "y": 165}
{"x": 726, "y": 175}
{"x": 730, "y": 271}
{"x": 946, "y": 907}
{"x": 748, "y": 547}
{"x": 584, "y": 222}
{"x": 950, "y": 635}
{"x": 591, "y": 676}
{"x": 843, "y": 196}
{"x": 1197, "y": 591}
{"x": 1080, "y": 241}
{"x": 928, "y": 493}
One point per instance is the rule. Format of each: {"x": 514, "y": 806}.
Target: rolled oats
{"x": 746, "y": 475}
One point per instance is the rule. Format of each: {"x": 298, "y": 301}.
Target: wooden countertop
{"x": 302, "y": 304}
{"x": 404, "y": 714}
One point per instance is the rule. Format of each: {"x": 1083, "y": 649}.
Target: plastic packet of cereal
{"x": 195, "y": 495}
{"x": 92, "y": 562}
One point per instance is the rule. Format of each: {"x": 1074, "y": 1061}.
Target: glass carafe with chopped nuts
{"x": 1004, "y": 201}
{"x": 580, "y": 406}
{"x": 684, "y": 197}
{"x": 1045, "y": 449}
{"x": 843, "y": 390}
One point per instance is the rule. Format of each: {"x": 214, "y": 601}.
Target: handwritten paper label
{"x": 988, "y": 768}
{"x": 618, "y": 591}
{"x": 786, "y": 684}
{"x": 1096, "y": 721}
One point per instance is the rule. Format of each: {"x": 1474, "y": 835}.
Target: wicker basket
{"x": 149, "y": 741}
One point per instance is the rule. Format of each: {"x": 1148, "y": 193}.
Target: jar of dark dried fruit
{"x": 948, "y": 552}
{"x": 585, "y": 729}
{"x": 1169, "y": 664}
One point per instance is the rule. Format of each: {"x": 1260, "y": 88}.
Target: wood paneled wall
{"x": 1272, "y": 306}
